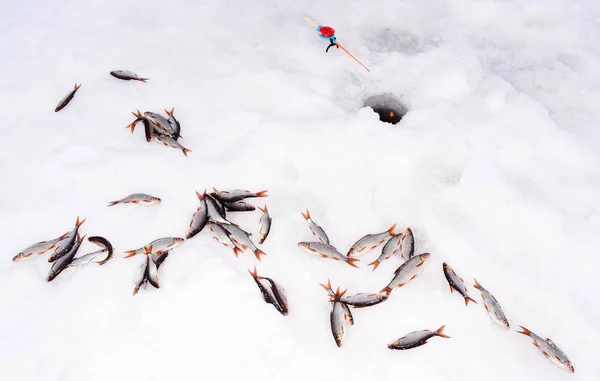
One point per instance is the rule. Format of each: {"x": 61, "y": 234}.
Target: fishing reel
{"x": 328, "y": 33}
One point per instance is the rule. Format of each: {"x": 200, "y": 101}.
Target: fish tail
{"x": 386, "y": 290}
{"x": 254, "y": 273}
{"x": 79, "y": 223}
{"x": 262, "y": 193}
{"x": 112, "y": 203}
{"x": 77, "y": 87}
{"x": 170, "y": 112}
{"x": 375, "y": 263}
{"x": 440, "y": 332}
{"x": 237, "y": 251}
{"x": 351, "y": 262}
{"x": 185, "y": 151}
{"x": 306, "y": 216}
{"x": 326, "y": 286}
{"x": 525, "y": 331}
{"x": 137, "y": 114}
{"x": 391, "y": 230}
{"x": 144, "y": 79}
{"x": 258, "y": 253}
{"x": 264, "y": 210}
{"x": 476, "y": 285}
{"x": 469, "y": 299}
{"x": 129, "y": 253}
{"x": 148, "y": 250}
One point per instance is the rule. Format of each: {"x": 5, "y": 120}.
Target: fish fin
{"x": 236, "y": 251}
{"x": 79, "y": 223}
{"x": 262, "y": 193}
{"x": 148, "y": 250}
{"x": 258, "y": 253}
{"x": 135, "y": 202}
{"x": 64, "y": 236}
{"x": 391, "y": 230}
{"x": 375, "y": 263}
{"x": 254, "y": 273}
{"x": 185, "y": 151}
{"x": 340, "y": 294}
{"x": 170, "y": 112}
{"x": 546, "y": 354}
{"x": 386, "y": 290}
{"x": 461, "y": 279}
{"x": 306, "y": 216}
{"x": 144, "y": 79}
{"x": 326, "y": 286}
{"x": 129, "y": 253}
{"x": 264, "y": 210}
{"x": 352, "y": 261}
{"x": 476, "y": 285}
{"x": 487, "y": 309}
{"x": 76, "y": 87}
{"x": 440, "y": 332}
{"x": 112, "y": 203}
{"x": 525, "y": 331}
{"x": 451, "y": 289}
{"x": 469, "y": 299}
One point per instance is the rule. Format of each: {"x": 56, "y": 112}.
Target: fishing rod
{"x": 328, "y": 33}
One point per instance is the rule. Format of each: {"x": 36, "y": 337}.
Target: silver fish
{"x": 359, "y": 300}
{"x": 391, "y": 248}
{"x": 337, "y": 319}
{"x": 223, "y": 236}
{"x": 158, "y": 259}
{"x": 199, "y": 218}
{"x": 370, "y": 242}
{"x": 492, "y": 306}
{"x": 238, "y": 206}
{"x": 327, "y": 251}
{"x": 65, "y": 260}
{"x": 237, "y": 194}
{"x": 408, "y": 244}
{"x": 241, "y": 239}
{"x": 85, "y": 259}
{"x": 170, "y": 142}
{"x": 264, "y": 225}
{"x": 416, "y": 339}
{"x": 126, "y": 75}
{"x": 457, "y": 283}
{"x": 214, "y": 210}
{"x": 67, "y": 243}
{"x": 148, "y": 126}
{"x": 65, "y": 101}
{"x": 105, "y": 244}
{"x": 272, "y": 292}
{"x": 317, "y": 231}
{"x": 550, "y": 350}
{"x": 332, "y": 294}
{"x": 161, "y": 124}
{"x": 151, "y": 269}
{"x": 38, "y": 248}
{"x": 136, "y": 198}
{"x": 406, "y": 272}
{"x": 158, "y": 246}
{"x": 175, "y": 126}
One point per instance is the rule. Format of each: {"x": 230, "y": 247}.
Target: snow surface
{"x": 495, "y": 168}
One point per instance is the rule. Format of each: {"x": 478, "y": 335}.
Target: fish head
{"x": 569, "y": 366}
{"x": 446, "y": 266}
{"x": 178, "y": 241}
{"x": 304, "y": 245}
{"x": 427, "y": 255}
{"x": 155, "y": 200}
{"x": 408, "y": 232}
{"x": 18, "y": 257}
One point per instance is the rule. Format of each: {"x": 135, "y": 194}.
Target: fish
{"x": 214, "y": 210}
{"x": 223, "y": 236}
{"x": 85, "y": 259}
{"x": 550, "y": 350}
{"x": 329, "y": 289}
{"x": 370, "y": 242}
{"x": 391, "y": 248}
{"x": 158, "y": 259}
{"x": 170, "y": 142}
{"x": 264, "y": 225}
{"x": 199, "y": 218}
{"x": 38, "y": 248}
{"x": 337, "y": 320}
{"x": 408, "y": 245}
{"x": 136, "y": 198}
{"x": 238, "y": 206}
{"x": 67, "y": 243}
{"x": 457, "y": 283}
{"x": 359, "y": 300}
{"x": 126, "y": 75}
{"x": 175, "y": 126}
{"x": 317, "y": 231}
{"x": 237, "y": 194}
{"x": 406, "y": 272}
{"x": 417, "y": 338}
{"x": 272, "y": 292}
{"x": 161, "y": 124}
{"x": 158, "y": 246}
{"x": 64, "y": 261}
{"x": 151, "y": 269}
{"x": 241, "y": 239}
{"x": 148, "y": 125}
{"x": 492, "y": 306}
{"x": 105, "y": 244}
{"x": 327, "y": 251}
{"x": 65, "y": 101}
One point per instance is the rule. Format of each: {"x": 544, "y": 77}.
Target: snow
{"x": 495, "y": 169}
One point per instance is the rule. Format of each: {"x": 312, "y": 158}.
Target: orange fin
{"x": 476, "y": 285}
{"x": 170, "y": 112}
{"x": 112, "y": 203}
{"x": 200, "y": 196}
{"x": 307, "y": 215}
{"x": 469, "y": 299}
{"x": 237, "y": 251}
{"x": 148, "y": 250}
{"x": 440, "y": 332}
{"x": 255, "y": 274}
{"x": 77, "y": 87}
{"x": 262, "y": 193}
{"x": 129, "y": 253}
{"x": 391, "y": 230}
{"x": 352, "y": 261}
{"x": 79, "y": 223}
{"x": 185, "y": 151}
{"x": 375, "y": 263}
{"x": 525, "y": 331}
{"x": 258, "y": 253}
{"x": 386, "y": 290}
{"x": 144, "y": 79}
{"x": 264, "y": 210}
{"x": 326, "y": 286}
